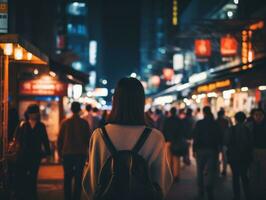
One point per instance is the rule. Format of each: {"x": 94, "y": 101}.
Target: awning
{"x": 67, "y": 73}
{"x": 20, "y": 50}
{"x": 252, "y": 73}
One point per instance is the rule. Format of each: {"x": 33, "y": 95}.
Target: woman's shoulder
{"x": 155, "y": 134}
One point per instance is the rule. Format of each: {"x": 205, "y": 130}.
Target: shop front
{"x": 47, "y": 92}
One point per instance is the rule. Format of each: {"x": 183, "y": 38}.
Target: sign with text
{"x": 45, "y": 86}
{"x": 214, "y": 86}
{"x": 3, "y": 16}
{"x": 203, "y": 48}
{"x": 228, "y": 46}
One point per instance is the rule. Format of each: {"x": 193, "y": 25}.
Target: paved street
{"x": 51, "y": 185}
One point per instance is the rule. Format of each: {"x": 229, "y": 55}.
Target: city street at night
{"x": 50, "y": 185}
{"x": 132, "y": 100}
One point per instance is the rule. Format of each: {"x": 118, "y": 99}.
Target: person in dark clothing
{"x": 173, "y": 131}
{"x": 188, "y": 122}
{"x": 206, "y": 147}
{"x": 258, "y": 173}
{"x": 34, "y": 145}
{"x": 159, "y": 119}
{"x": 148, "y": 119}
{"x": 239, "y": 142}
{"x": 104, "y": 118}
{"x": 73, "y": 147}
{"x": 224, "y": 125}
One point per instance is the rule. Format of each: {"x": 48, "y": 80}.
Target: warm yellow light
{"x": 262, "y": 87}
{"x": 18, "y": 53}
{"x": 244, "y": 89}
{"x": 8, "y": 49}
{"x": 70, "y": 77}
{"x": 29, "y": 56}
{"x": 36, "y": 72}
{"x": 53, "y": 74}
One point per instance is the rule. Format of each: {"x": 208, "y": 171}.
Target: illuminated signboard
{"x": 203, "y": 48}
{"x": 228, "y": 46}
{"x": 168, "y": 73}
{"x": 3, "y": 16}
{"x": 45, "y": 86}
{"x": 213, "y": 86}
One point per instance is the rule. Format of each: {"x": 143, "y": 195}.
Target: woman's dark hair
{"x": 128, "y": 103}
{"x": 208, "y": 113}
{"x": 240, "y": 117}
{"x": 32, "y": 109}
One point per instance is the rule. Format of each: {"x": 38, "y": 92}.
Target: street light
{"x": 29, "y": 56}
{"x": 133, "y": 75}
{"x": 8, "y": 49}
{"x": 18, "y": 54}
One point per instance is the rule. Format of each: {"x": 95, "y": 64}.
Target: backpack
{"x": 125, "y": 174}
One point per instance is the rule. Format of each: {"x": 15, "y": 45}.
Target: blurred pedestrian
{"x": 148, "y": 119}
{"x": 198, "y": 114}
{"x": 239, "y": 142}
{"x": 104, "y": 118}
{"x": 258, "y": 173}
{"x": 159, "y": 119}
{"x": 206, "y": 147}
{"x": 125, "y": 128}
{"x": 174, "y": 135}
{"x": 189, "y": 124}
{"x": 224, "y": 124}
{"x": 73, "y": 144}
{"x": 88, "y": 116}
{"x": 95, "y": 119}
{"x": 34, "y": 145}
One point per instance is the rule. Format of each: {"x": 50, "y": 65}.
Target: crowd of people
{"x": 239, "y": 142}
{"x": 174, "y": 136}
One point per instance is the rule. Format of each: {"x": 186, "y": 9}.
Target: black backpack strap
{"x": 107, "y": 141}
{"x": 142, "y": 140}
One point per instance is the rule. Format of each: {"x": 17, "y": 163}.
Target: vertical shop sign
{"x": 3, "y": 16}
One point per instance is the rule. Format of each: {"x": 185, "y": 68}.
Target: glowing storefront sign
{"x": 213, "y": 86}
{"x": 228, "y": 46}
{"x": 198, "y": 77}
{"x": 203, "y": 48}
{"x": 43, "y": 86}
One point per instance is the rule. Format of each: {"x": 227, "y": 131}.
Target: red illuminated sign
{"x": 168, "y": 73}
{"x": 228, "y": 46}
{"x": 45, "y": 86}
{"x": 203, "y": 48}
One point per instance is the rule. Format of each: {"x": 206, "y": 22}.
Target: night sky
{"x": 121, "y": 39}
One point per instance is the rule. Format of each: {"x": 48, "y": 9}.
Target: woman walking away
{"x": 34, "y": 146}
{"x": 127, "y": 160}
{"x": 239, "y": 143}
{"x": 206, "y": 147}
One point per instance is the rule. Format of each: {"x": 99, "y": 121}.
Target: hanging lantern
{"x": 168, "y": 74}
{"x": 203, "y": 48}
{"x": 228, "y": 46}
